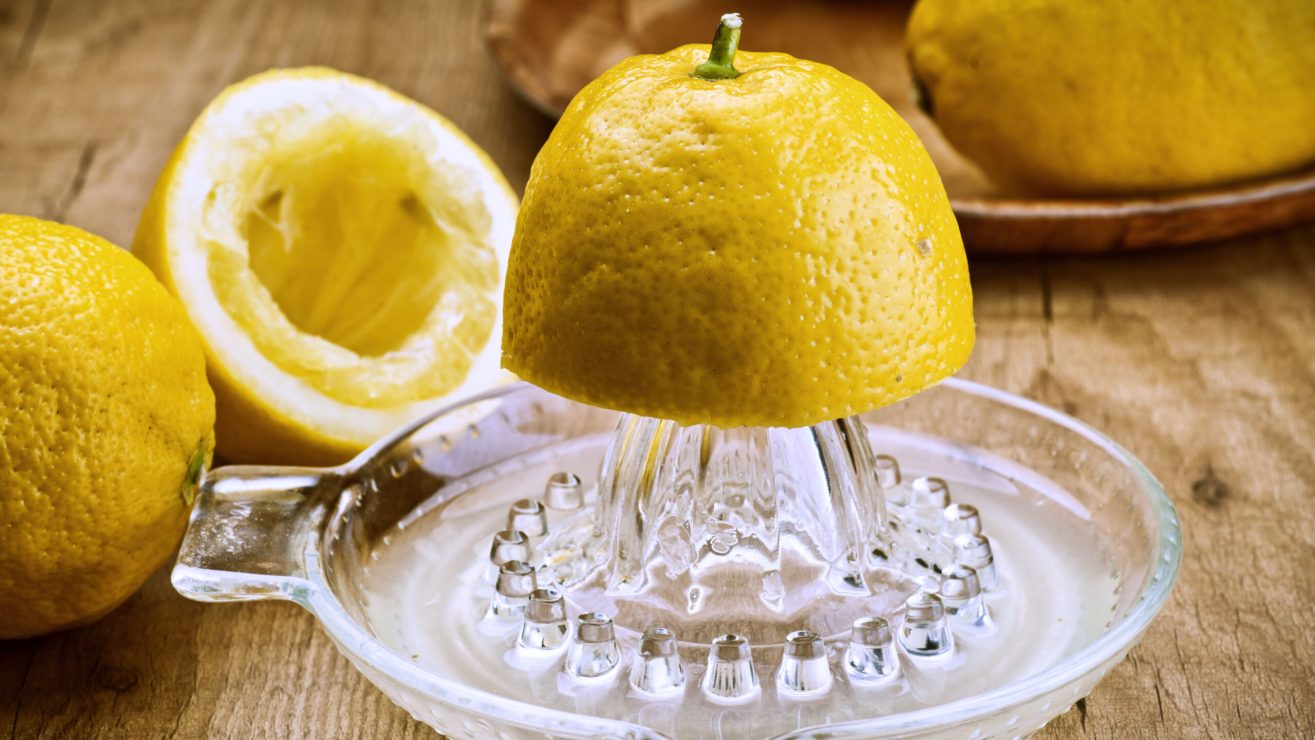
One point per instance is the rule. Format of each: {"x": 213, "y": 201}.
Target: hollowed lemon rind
{"x": 287, "y": 395}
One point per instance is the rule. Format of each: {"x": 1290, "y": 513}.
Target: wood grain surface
{"x": 1202, "y": 362}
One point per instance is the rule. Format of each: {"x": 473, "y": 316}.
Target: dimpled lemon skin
{"x": 771, "y": 250}
{"x": 103, "y": 408}
{"x": 1104, "y": 97}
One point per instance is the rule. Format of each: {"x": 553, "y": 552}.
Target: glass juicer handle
{"x": 249, "y": 533}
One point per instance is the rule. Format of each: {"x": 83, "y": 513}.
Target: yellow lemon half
{"x": 341, "y": 250}
{"x": 774, "y": 249}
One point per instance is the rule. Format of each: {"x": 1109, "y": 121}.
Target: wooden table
{"x": 1202, "y": 362}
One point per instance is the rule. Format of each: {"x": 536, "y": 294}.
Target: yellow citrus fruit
{"x": 341, "y": 249}
{"x": 106, "y": 422}
{"x": 772, "y": 249}
{"x": 1105, "y": 97}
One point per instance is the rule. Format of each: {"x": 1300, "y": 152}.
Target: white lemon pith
{"x": 341, "y": 250}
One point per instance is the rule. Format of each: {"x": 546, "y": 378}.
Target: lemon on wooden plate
{"x": 763, "y": 244}
{"x": 341, "y": 250}
{"x": 106, "y": 422}
{"x": 1106, "y": 97}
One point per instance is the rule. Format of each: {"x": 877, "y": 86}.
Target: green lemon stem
{"x": 195, "y": 469}
{"x": 720, "y": 64}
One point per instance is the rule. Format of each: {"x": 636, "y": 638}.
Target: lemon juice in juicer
{"x": 720, "y": 510}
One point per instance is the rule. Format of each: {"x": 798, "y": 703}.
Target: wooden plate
{"x": 549, "y": 49}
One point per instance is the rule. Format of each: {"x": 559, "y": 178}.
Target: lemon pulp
{"x": 341, "y": 250}
{"x": 347, "y": 248}
{"x": 347, "y": 228}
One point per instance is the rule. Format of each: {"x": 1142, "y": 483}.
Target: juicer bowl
{"x": 311, "y": 535}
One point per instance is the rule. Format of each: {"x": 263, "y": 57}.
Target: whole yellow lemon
{"x": 766, "y": 244}
{"x": 1113, "y": 97}
{"x": 105, "y": 425}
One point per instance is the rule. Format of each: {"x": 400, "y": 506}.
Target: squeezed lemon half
{"x": 341, "y": 250}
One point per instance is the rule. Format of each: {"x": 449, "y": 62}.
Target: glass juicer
{"x": 965, "y": 563}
